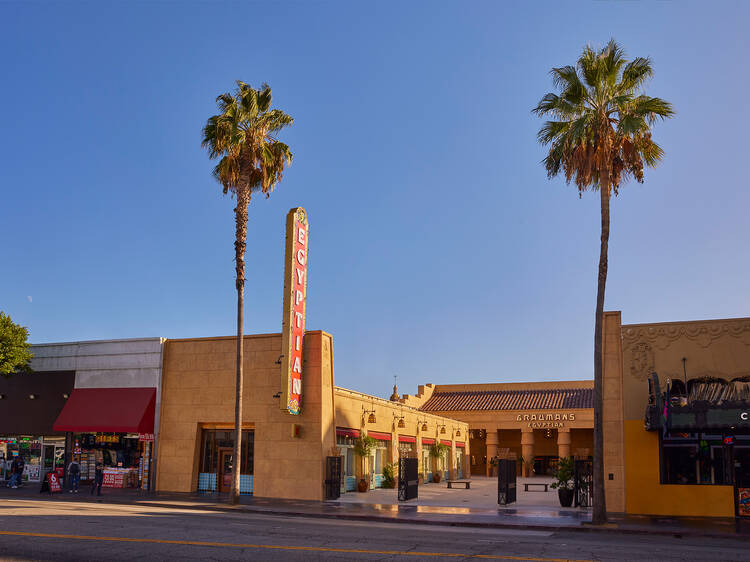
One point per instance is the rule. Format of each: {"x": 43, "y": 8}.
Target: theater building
{"x": 534, "y": 422}
{"x": 676, "y": 417}
{"x": 284, "y": 456}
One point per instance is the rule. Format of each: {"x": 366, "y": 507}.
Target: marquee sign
{"x": 295, "y": 297}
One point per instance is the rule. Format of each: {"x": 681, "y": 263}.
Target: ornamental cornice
{"x": 703, "y": 333}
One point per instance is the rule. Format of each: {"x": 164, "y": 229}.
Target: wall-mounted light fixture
{"x": 458, "y": 432}
{"x": 65, "y": 395}
{"x": 371, "y": 418}
{"x": 2, "y": 396}
{"x": 32, "y": 396}
{"x": 423, "y": 423}
{"x": 442, "y": 429}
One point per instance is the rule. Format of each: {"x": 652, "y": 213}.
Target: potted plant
{"x": 363, "y": 446}
{"x": 437, "y": 450}
{"x": 389, "y": 478}
{"x": 564, "y": 481}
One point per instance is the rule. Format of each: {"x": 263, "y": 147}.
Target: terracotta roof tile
{"x": 552, "y": 399}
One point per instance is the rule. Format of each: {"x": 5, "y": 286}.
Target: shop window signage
{"x": 295, "y": 299}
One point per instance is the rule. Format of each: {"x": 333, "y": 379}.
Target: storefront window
{"x": 216, "y": 442}
{"x": 124, "y": 457}
{"x": 693, "y": 458}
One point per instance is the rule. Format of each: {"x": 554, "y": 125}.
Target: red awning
{"x": 460, "y": 444}
{"x": 427, "y": 441}
{"x": 379, "y": 436}
{"x": 445, "y": 442}
{"x": 406, "y": 439}
{"x": 111, "y": 410}
{"x": 344, "y": 432}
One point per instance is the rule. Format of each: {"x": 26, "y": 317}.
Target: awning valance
{"x": 445, "y": 442}
{"x": 460, "y": 444}
{"x": 346, "y": 432}
{"x": 406, "y": 439}
{"x": 379, "y": 436}
{"x": 108, "y": 410}
{"x": 427, "y": 441}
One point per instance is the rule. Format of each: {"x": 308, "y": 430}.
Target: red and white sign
{"x": 54, "y": 482}
{"x": 295, "y": 297}
{"x": 145, "y": 437}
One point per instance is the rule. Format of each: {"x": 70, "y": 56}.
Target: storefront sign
{"x": 295, "y": 297}
{"x": 145, "y": 437}
{"x": 544, "y": 420}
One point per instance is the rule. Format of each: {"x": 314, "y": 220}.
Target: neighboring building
{"x": 686, "y": 450}
{"x": 284, "y": 456}
{"x": 537, "y": 422}
{"x": 90, "y": 400}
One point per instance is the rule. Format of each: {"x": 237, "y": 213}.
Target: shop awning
{"x": 406, "y": 439}
{"x": 379, "y": 436}
{"x": 427, "y": 441}
{"x": 460, "y": 444}
{"x": 445, "y": 442}
{"x": 345, "y": 432}
{"x": 110, "y": 410}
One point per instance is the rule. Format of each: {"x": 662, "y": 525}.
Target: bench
{"x": 466, "y": 483}
{"x": 527, "y": 484}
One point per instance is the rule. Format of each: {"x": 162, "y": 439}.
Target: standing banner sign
{"x": 295, "y": 298}
{"x": 54, "y": 482}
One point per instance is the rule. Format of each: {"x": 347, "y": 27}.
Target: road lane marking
{"x": 287, "y": 547}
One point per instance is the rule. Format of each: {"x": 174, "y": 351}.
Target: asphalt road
{"x": 44, "y": 530}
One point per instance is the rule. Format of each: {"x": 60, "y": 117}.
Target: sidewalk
{"x": 526, "y": 517}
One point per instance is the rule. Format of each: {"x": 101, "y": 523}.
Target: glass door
{"x": 48, "y": 460}
{"x": 225, "y": 470}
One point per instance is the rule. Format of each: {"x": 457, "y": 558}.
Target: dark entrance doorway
{"x": 225, "y": 470}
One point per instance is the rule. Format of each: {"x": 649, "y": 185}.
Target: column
{"x": 527, "y": 451}
{"x": 492, "y": 443}
{"x": 563, "y": 443}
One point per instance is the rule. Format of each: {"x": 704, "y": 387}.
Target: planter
{"x": 566, "y": 496}
{"x": 362, "y": 485}
{"x": 436, "y": 477}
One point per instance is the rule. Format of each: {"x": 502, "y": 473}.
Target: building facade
{"x": 677, "y": 403}
{"x": 284, "y": 456}
{"x": 95, "y": 401}
{"x": 536, "y": 423}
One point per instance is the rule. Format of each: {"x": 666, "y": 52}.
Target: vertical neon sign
{"x": 295, "y": 299}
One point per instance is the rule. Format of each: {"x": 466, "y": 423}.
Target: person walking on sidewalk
{"x": 74, "y": 471}
{"x": 16, "y": 470}
{"x": 98, "y": 479}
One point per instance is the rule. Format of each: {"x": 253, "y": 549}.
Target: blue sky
{"x": 439, "y": 251}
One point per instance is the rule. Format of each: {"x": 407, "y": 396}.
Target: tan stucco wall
{"x": 198, "y": 391}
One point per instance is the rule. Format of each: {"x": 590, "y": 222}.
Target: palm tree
{"x": 600, "y": 136}
{"x": 242, "y": 134}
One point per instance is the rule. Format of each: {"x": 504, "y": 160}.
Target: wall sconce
{"x": 65, "y": 395}
{"x": 458, "y": 432}
{"x": 442, "y": 430}
{"x": 371, "y": 418}
{"x": 424, "y": 424}
{"x": 2, "y": 396}
{"x": 32, "y": 396}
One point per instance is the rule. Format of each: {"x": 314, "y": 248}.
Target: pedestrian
{"x": 74, "y": 471}
{"x": 13, "y": 468}
{"x": 17, "y": 470}
{"x": 98, "y": 479}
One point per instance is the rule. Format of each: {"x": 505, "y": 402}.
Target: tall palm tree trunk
{"x": 599, "y": 515}
{"x": 240, "y": 243}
